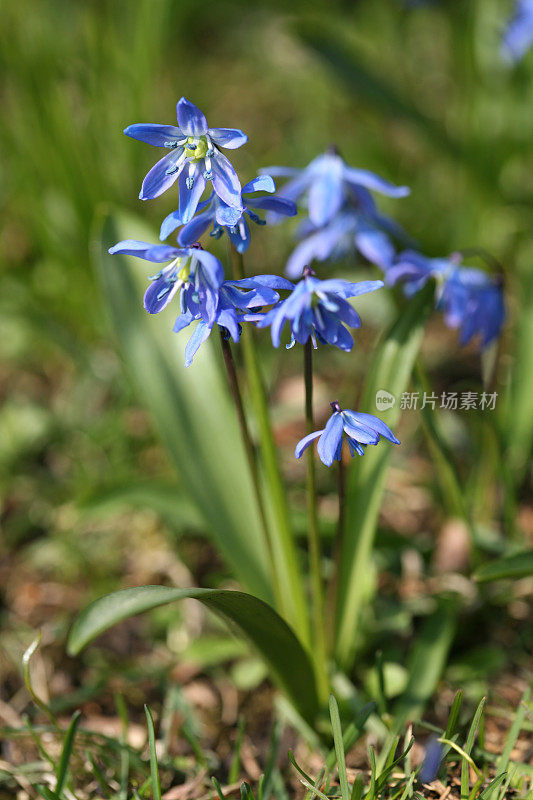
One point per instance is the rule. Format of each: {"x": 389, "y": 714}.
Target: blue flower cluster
{"x": 471, "y": 300}
{"x": 342, "y": 216}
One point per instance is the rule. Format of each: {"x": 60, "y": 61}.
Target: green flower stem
{"x": 313, "y": 537}
{"x": 236, "y": 393}
{"x": 283, "y": 544}
{"x": 332, "y": 592}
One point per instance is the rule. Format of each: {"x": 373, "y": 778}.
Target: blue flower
{"x": 221, "y": 216}
{"x": 235, "y": 299}
{"x": 318, "y": 309}
{"x": 471, "y": 300}
{"x": 518, "y": 36}
{"x": 432, "y": 760}
{"x": 195, "y": 272}
{"x": 360, "y": 429}
{"x": 359, "y": 228}
{"x": 194, "y": 158}
{"x": 327, "y": 182}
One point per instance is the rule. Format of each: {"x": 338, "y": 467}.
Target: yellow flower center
{"x": 198, "y": 152}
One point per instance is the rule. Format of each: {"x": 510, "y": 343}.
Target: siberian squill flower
{"x": 357, "y": 226}
{"x": 236, "y": 298}
{"x": 358, "y": 428}
{"x": 195, "y": 272}
{"x": 194, "y": 158}
{"x": 221, "y": 216}
{"x": 471, "y": 300}
{"x": 327, "y": 182}
{"x": 318, "y": 310}
{"x": 518, "y": 36}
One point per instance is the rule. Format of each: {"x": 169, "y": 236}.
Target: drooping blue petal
{"x": 156, "y": 135}
{"x": 304, "y": 443}
{"x": 189, "y": 198}
{"x": 372, "y": 422}
{"x": 354, "y": 447}
{"x": 200, "y": 334}
{"x": 230, "y": 138}
{"x": 329, "y": 440}
{"x": 159, "y": 294}
{"x": 363, "y": 177}
{"x": 212, "y": 267}
{"x": 278, "y": 205}
{"x": 157, "y": 253}
{"x": 192, "y": 231}
{"x": 190, "y": 119}
{"x": 361, "y": 433}
{"x": 270, "y": 281}
{"x": 326, "y": 193}
{"x": 169, "y": 225}
{"x": 263, "y": 183}
{"x": 183, "y": 321}
{"x": 162, "y": 175}
{"x": 347, "y": 289}
{"x": 318, "y": 247}
{"x": 375, "y": 245}
{"x": 239, "y": 235}
{"x": 225, "y": 180}
{"x": 227, "y": 318}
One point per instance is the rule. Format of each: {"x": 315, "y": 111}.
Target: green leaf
{"x": 66, "y": 753}
{"x": 516, "y": 566}
{"x": 154, "y": 769}
{"x": 465, "y": 771}
{"x": 275, "y": 641}
{"x": 191, "y": 408}
{"x": 391, "y": 371}
{"x": 339, "y": 747}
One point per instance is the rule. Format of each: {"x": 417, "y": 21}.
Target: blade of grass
{"x": 61, "y": 775}
{"x": 514, "y": 732}
{"x": 235, "y": 766}
{"x": 453, "y": 718}
{"x": 154, "y": 770}
{"x": 493, "y": 785}
{"x": 339, "y": 747}
{"x": 465, "y": 777}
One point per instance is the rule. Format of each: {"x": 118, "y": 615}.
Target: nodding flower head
{"x": 318, "y": 309}
{"x": 194, "y": 158}
{"x": 357, "y": 428}
{"x": 223, "y": 217}
{"x": 327, "y": 182}
{"x": 192, "y": 271}
{"x": 472, "y": 300}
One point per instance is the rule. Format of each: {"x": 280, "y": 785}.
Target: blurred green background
{"x": 417, "y": 94}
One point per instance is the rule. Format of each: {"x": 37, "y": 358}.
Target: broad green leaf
{"x": 262, "y": 626}
{"x": 191, "y": 407}
{"x": 391, "y": 371}
{"x": 519, "y": 565}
